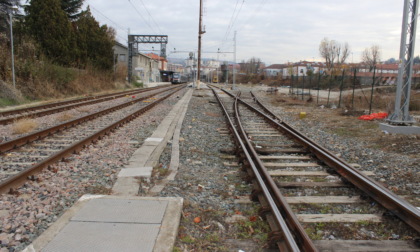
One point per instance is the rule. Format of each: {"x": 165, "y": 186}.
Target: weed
{"x": 65, "y": 117}
{"x": 7, "y": 102}
{"x": 83, "y": 109}
{"x": 24, "y": 126}
{"x": 257, "y": 230}
{"x": 363, "y": 222}
{"x": 98, "y": 189}
{"x": 137, "y": 83}
{"x": 188, "y": 239}
{"x": 213, "y": 237}
{"x": 163, "y": 171}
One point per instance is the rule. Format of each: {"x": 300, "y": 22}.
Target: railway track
{"x": 312, "y": 200}
{"x": 23, "y": 157}
{"x": 10, "y": 116}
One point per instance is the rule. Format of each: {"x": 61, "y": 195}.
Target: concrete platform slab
{"x": 91, "y": 236}
{"x": 154, "y": 139}
{"x": 148, "y": 154}
{"x": 121, "y": 211}
{"x": 112, "y": 223}
{"x": 136, "y": 172}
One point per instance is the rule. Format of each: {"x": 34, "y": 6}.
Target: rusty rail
{"x": 18, "y": 179}
{"x": 53, "y": 106}
{"x": 12, "y": 144}
{"x": 288, "y": 241}
{"x": 395, "y": 204}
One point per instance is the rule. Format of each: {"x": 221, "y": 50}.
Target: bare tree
{"x": 371, "y": 56}
{"x": 333, "y": 53}
{"x": 345, "y": 53}
{"x": 251, "y": 66}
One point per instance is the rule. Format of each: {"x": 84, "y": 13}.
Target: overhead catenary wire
{"x": 256, "y": 11}
{"x": 120, "y": 27}
{"x": 151, "y": 17}
{"x": 138, "y": 12}
{"x": 231, "y": 22}
{"x": 233, "y": 18}
{"x": 103, "y": 15}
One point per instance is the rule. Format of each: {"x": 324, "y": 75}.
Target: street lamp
{"x": 11, "y": 44}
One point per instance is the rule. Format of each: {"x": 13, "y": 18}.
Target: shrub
{"x": 24, "y": 126}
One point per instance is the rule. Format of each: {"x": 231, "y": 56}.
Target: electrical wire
{"x": 138, "y": 12}
{"x": 232, "y": 23}
{"x": 256, "y": 11}
{"x": 157, "y": 25}
{"x": 100, "y": 13}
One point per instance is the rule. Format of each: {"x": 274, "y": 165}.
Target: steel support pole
{"x": 200, "y": 32}
{"x": 400, "y": 116}
{"x": 372, "y": 90}
{"x": 11, "y": 44}
{"x": 234, "y": 62}
{"x": 130, "y": 58}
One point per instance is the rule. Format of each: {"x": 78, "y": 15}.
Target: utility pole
{"x": 234, "y": 61}
{"x": 200, "y": 32}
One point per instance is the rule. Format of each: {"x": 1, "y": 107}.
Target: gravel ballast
{"x": 216, "y": 214}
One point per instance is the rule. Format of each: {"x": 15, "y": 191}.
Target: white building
{"x": 145, "y": 69}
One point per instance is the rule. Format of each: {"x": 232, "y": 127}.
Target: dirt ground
{"x": 345, "y": 123}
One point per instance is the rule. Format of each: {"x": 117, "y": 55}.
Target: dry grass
{"x": 24, "y": 126}
{"x": 83, "y": 109}
{"x": 63, "y": 117}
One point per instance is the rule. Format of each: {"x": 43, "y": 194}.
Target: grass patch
{"x": 24, "y": 126}
{"x": 188, "y": 239}
{"x": 7, "y": 102}
{"x": 256, "y": 230}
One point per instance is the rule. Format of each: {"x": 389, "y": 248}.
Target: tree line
{"x": 61, "y": 32}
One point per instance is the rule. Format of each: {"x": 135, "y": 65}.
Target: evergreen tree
{"x": 72, "y": 8}
{"x": 48, "y": 24}
{"x": 5, "y": 8}
{"x": 94, "y": 42}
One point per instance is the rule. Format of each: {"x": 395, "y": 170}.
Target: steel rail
{"x": 55, "y": 104}
{"x": 395, "y": 204}
{"x": 288, "y": 243}
{"x": 19, "y": 178}
{"x": 293, "y": 223}
{"x": 14, "y": 143}
{"x": 54, "y": 107}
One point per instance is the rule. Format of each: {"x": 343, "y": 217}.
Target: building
{"x": 274, "y": 70}
{"x": 120, "y": 53}
{"x": 296, "y": 69}
{"x": 145, "y": 68}
{"x": 163, "y": 63}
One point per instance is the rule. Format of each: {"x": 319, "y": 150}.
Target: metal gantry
{"x": 134, "y": 40}
{"x": 408, "y": 38}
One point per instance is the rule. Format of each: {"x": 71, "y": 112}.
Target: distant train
{"x": 178, "y": 78}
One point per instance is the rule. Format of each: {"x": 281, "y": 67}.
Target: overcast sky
{"x": 276, "y": 31}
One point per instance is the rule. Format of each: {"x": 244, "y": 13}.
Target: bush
{"x": 137, "y": 83}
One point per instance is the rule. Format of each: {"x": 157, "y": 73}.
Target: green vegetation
{"x": 60, "y": 50}
{"x": 138, "y": 83}
{"x": 7, "y": 102}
